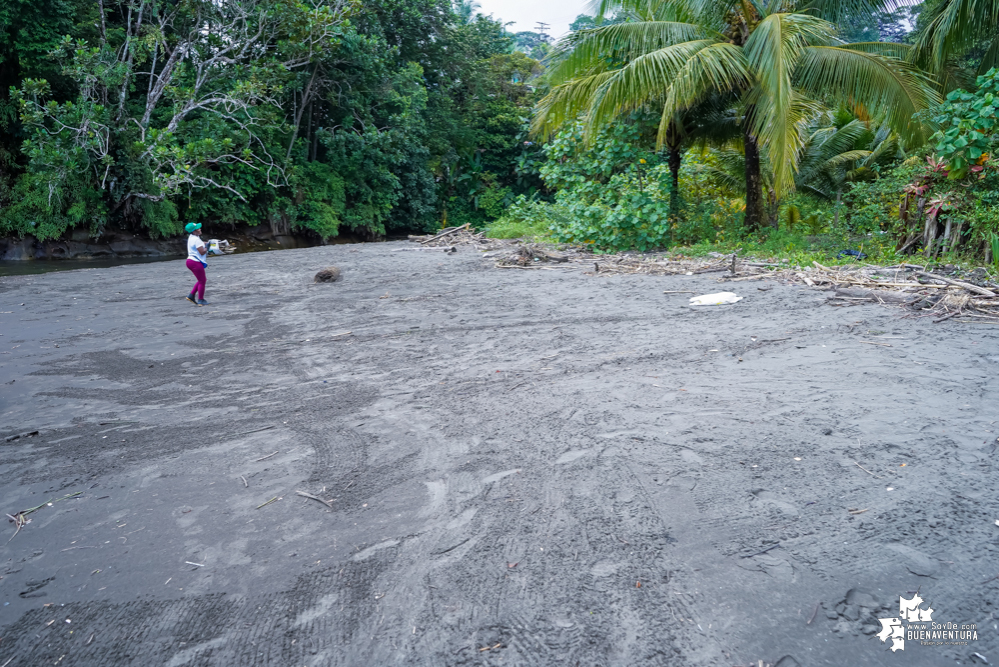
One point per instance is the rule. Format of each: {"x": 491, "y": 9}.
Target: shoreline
{"x": 116, "y": 244}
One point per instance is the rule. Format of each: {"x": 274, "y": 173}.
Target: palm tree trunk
{"x": 675, "y": 157}
{"x": 756, "y": 210}
{"x": 673, "y": 141}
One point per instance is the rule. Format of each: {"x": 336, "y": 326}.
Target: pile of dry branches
{"x": 453, "y": 236}
{"x": 909, "y": 285}
{"x": 927, "y": 294}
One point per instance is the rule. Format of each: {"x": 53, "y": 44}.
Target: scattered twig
{"x": 267, "y": 503}
{"x": 856, "y": 511}
{"x": 309, "y": 495}
{"x": 195, "y": 564}
{"x": 760, "y": 553}
{"x": 245, "y": 485}
{"x": 867, "y": 471}
{"x": 867, "y": 342}
{"x": 814, "y": 612}
{"x": 947, "y": 316}
{"x": 264, "y": 458}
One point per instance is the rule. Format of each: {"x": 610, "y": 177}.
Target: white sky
{"x": 558, "y": 13}
{"x": 526, "y": 13}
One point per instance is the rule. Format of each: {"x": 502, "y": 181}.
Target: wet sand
{"x": 525, "y": 468}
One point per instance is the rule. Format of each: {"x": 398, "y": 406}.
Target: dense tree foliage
{"x": 780, "y": 61}
{"x": 796, "y": 115}
{"x": 320, "y": 116}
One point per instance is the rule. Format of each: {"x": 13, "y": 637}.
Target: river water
{"x": 29, "y": 267}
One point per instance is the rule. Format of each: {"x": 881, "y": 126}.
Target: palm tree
{"x": 778, "y": 61}
{"x": 955, "y": 26}
{"x": 466, "y": 10}
{"x": 843, "y": 149}
{"x": 840, "y": 149}
{"x": 710, "y": 123}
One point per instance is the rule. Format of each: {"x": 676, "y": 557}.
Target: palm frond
{"x": 888, "y": 49}
{"x": 848, "y": 137}
{"x": 884, "y": 150}
{"x": 646, "y": 78}
{"x": 954, "y": 26}
{"x": 814, "y": 191}
{"x": 714, "y": 121}
{"x": 892, "y": 89}
{"x": 844, "y": 158}
{"x": 601, "y": 8}
{"x": 734, "y": 183}
{"x": 721, "y": 67}
{"x": 718, "y": 68}
{"x": 861, "y": 173}
{"x": 781, "y": 115}
{"x": 565, "y": 103}
{"x": 837, "y": 10}
{"x": 990, "y": 58}
{"x": 601, "y": 47}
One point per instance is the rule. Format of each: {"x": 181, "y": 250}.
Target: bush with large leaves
{"x": 968, "y": 123}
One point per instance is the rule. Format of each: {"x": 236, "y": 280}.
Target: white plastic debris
{"x": 719, "y": 299}
{"x": 223, "y": 247}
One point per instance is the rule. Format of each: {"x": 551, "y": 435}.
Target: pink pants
{"x": 199, "y": 272}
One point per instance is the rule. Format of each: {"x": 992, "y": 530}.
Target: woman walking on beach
{"x": 197, "y": 253}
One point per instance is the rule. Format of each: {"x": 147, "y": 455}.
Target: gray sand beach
{"x": 512, "y": 467}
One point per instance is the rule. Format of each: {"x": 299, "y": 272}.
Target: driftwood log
{"x": 330, "y": 274}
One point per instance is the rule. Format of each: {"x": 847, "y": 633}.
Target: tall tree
{"x": 781, "y": 65}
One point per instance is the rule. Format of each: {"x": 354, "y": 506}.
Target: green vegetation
{"x": 800, "y": 142}
{"x": 311, "y": 116}
{"x": 797, "y": 127}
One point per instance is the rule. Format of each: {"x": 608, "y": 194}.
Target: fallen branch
{"x": 445, "y": 233}
{"x": 950, "y": 281}
{"x": 309, "y": 495}
{"x": 754, "y": 277}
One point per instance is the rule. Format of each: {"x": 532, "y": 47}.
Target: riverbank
{"x": 513, "y": 467}
{"x": 114, "y": 244}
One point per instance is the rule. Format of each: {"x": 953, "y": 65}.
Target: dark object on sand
{"x": 330, "y": 274}
{"x": 851, "y": 253}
